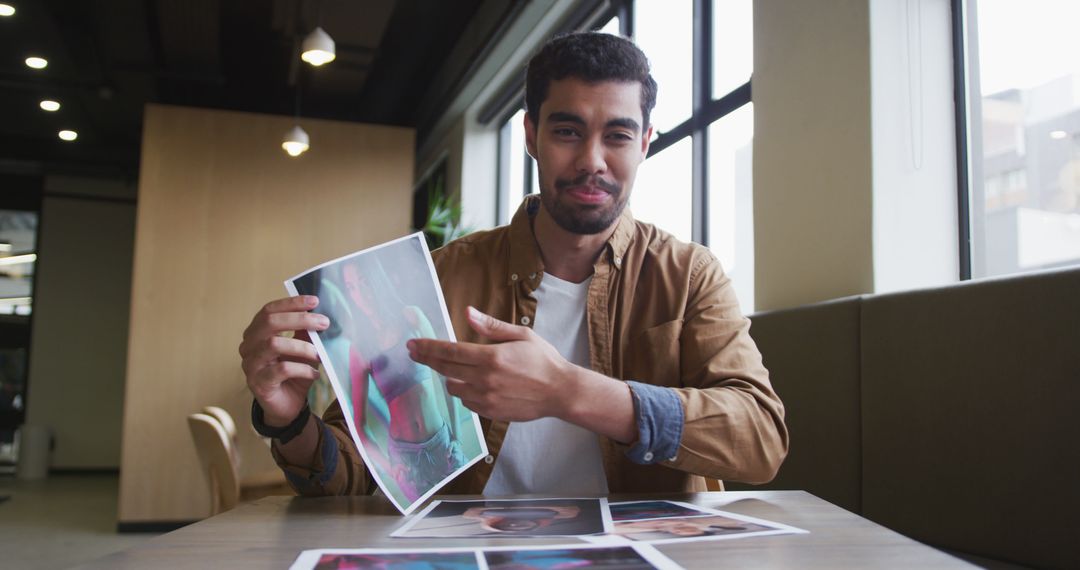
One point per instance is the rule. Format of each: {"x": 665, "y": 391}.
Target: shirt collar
{"x": 525, "y": 260}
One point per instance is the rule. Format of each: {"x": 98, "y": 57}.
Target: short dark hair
{"x": 591, "y": 57}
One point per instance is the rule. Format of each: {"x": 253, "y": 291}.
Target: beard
{"x": 582, "y": 219}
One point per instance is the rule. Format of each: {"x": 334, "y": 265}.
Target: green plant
{"x": 443, "y": 224}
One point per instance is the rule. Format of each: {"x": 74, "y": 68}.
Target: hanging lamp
{"x": 318, "y": 48}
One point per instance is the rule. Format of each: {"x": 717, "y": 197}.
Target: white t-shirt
{"x": 549, "y": 455}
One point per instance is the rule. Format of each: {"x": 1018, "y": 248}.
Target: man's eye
{"x": 565, "y": 132}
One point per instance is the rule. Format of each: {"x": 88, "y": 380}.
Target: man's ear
{"x": 646, "y": 138}
{"x": 530, "y": 136}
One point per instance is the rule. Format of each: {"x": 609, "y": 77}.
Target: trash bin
{"x": 35, "y": 447}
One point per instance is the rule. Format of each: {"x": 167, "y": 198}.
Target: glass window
{"x": 611, "y": 27}
{"x": 512, "y": 139}
{"x": 731, "y": 206}
{"x": 733, "y": 45}
{"x": 18, "y": 245}
{"x": 665, "y": 32}
{"x": 1024, "y": 79}
{"x": 662, "y": 194}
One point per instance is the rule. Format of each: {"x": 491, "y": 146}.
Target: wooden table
{"x": 271, "y": 532}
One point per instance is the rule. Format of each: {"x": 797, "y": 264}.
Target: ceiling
{"x": 108, "y": 58}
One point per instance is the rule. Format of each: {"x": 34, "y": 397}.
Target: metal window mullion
{"x": 702, "y": 90}
{"x": 961, "y": 106}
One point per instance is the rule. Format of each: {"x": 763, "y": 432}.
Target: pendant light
{"x": 296, "y": 141}
{"x": 318, "y": 48}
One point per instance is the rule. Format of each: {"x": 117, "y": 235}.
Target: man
{"x": 602, "y": 354}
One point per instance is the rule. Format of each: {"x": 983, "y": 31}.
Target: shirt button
{"x": 526, "y": 320}
{"x": 648, "y": 456}
{"x": 489, "y": 459}
{"x": 618, "y": 260}
{"x": 513, "y": 277}
{"x": 532, "y": 276}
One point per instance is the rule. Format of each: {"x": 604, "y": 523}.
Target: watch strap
{"x": 283, "y": 434}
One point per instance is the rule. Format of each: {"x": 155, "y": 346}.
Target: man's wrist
{"x": 283, "y": 433}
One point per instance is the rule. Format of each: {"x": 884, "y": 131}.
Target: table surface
{"x": 271, "y": 533}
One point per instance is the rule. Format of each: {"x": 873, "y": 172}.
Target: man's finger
{"x": 495, "y": 329}
{"x": 269, "y": 324}
{"x": 425, "y": 350}
{"x": 463, "y": 390}
{"x": 280, "y": 348}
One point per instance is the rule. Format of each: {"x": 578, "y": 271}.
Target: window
{"x": 1023, "y": 126}
{"x": 696, "y": 183}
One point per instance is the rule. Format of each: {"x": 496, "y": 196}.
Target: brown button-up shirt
{"x": 660, "y": 312}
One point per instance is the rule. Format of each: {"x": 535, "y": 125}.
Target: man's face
{"x": 588, "y": 145}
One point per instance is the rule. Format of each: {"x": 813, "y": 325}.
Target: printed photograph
{"x": 621, "y": 557}
{"x": 643, "y": 510}
{"x": 413, "y": 435}
{"x": 683, "y": 528}
{"x": 509, "y": 518}
{"x": 399, "y": 560}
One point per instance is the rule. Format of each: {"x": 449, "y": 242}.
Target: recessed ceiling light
{"x": 68, "y": 135}
{"x": 49, "y": 105}
{"x": 1058, "y": 135}
{"x": 7, "y": 10}
{"x": 37, "y": 62}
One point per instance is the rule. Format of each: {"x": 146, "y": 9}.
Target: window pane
{"x": 516, "y": 181}
{"x": 731, "y": 204}
{"x": 611, "y": 27}
{"x": 1025, "y": 136}
{"x": 665, "y": 32}
{"x": 662, "y": 193}
{"x": 733, "y": 45}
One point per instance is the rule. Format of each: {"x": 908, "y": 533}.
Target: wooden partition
{"x": 224, "y": 216}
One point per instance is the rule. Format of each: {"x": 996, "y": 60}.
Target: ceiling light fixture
{"x": 1059, "y": 135}
{"x": 318, "y": 48}
{"x": 35, "y": 62}
{"x": 67, "y": 135}
{"x": 296, "y": 141}
{"x": 49, "y": 105}
{"x": 7, "y": 10}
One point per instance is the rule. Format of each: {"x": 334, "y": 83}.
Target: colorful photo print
{"x": 643, "y": 510}
{"x": 413, "y": 435}
{"x": 509, "y": 518}
{"x": 557, "y": 557}
{"x": 629, "y": 557}
{"x": 691, "y": 528}
{"x": 399, "y": 561}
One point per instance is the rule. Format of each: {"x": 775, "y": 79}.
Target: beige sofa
{"x": 947, "y": 414}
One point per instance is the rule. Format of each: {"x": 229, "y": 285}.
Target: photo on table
{"x": 413, "y": 435}
{"x": 642, "y": 510}
{"x": 509, "y": 518}
{"x": 577, "y": 556}
{"x": 630, "y": 523}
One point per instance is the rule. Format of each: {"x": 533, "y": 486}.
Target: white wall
{"x": 80, "y": 323}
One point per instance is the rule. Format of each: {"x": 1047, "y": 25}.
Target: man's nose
{"x": 591, "y": 159}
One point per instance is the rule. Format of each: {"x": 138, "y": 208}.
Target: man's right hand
{"x": 280, "y": 369}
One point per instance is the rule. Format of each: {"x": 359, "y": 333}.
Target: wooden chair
{"x": 212, "y": 444}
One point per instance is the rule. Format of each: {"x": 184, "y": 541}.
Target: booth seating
{"x": 948, "y": 415}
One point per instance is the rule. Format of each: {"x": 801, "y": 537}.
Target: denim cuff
{"x": 329, "y": 455}
{"x": 659, "y": 415}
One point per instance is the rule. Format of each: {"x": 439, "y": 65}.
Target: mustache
{"x": 590, "y": 180}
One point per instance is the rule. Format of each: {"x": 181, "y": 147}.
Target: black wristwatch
{"x": 282, "y": 434}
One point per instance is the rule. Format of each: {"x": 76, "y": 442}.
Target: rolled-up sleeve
{"x": 336, "y": 467}
{"x": 733, "y": 426}
{"x": 659, "y": 416}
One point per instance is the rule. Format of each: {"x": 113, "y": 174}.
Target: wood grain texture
{"x": 224, "y": 216}
{"x": 271, "y": 533}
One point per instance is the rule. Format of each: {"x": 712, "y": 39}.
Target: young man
{"x": 603, "y": 354}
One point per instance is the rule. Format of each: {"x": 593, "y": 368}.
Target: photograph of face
{"x": 641, "y": 510}
{"x": 508, "y": 518}
{"x": 414, "y": 436}
{"x": 686, "y": 528}
{"x": 554, "y": 557}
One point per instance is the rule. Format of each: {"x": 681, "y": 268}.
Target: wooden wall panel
{"x": 224, "y": 216}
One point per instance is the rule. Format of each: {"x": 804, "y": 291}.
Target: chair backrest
{"x": 213, "y": 446}
{"x": 224, "y": 418}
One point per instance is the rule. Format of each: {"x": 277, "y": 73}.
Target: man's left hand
{"x": 519, "y": 378}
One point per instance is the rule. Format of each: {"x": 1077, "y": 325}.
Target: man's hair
{"x": 591, "y": 57}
